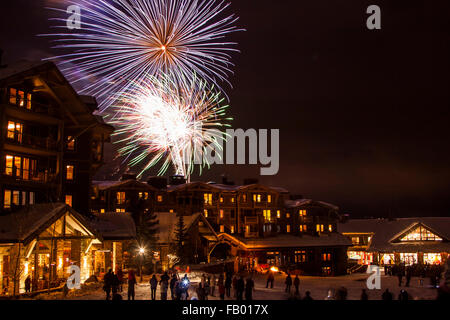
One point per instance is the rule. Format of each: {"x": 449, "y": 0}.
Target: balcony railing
{"x": 33, "y": 141}
{"x": 251, "y": 220}
{"x": 38, "y": 176}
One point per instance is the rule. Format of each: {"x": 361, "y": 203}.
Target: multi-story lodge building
{"x": 256, "y": 224}
{"x": 51, "y": 143}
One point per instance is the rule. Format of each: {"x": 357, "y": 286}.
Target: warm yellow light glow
{"x": 141, "y": 250}
{"x": 163, "y": 48}
{"x": 25, "y": 271}
{"x": 274, "y": 269}
{"x": 60, "y": 263}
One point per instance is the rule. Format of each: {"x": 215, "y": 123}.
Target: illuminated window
{"x": 421, "y": 234}
{"x": 15, "y": 131}
{"x": 326, "y": 257}
{"x": 171, "y": 211}
{"x": 288, "y": 215}
{"x": 232, "y": 229}
{"x": 302, "y": 213}
{"x": 221, "y": 214}
{"x": 355, "y": 240}
{"x": 247, "y": 229}
{"x": 13, "y": 96}
{"x": 222, "y": 228}
{"x": 7, "y": 199}
{"x": 9, "y": 165}
{"x": 69, "y": 172}
{"x": 300, "y": 256}
{"x": 330, "y": 228}
{"x": 244, "y": 198}
{"x": 221, "y": 199}
{"x": 278, "y": 214}
{"x": 18, "y": 166}
{"x": 70, "y": 143}
{"x": 24, "y": 198}
{"x": 319, "y": 228}
{"x": 141, "y": 195}
{"x": 259, "y": 198}
{"x": 120, "y": 197}
{"x": 31, "y": 198}
{"x": 267, "y": 215}
{"x": 256, "y": 197}
{"x": 288, "y": 228}
{"x": 120, "y": 210}
{"x": 205, "y": 212}
{"x": 301, "y": 228}
{"x": 69, "y": 199}
{"x": 29, "y": 101}
{"x": 208, "y": 198}
{"x": 269, "y": 198}
{"x": 432, "y": 258}
{"x": 102, "y": 210}
{"x": 232, "y": 199}
{"x": 21, "y": 98}
{"x": 26, "y": 169}
{"x": 160, "y": 198}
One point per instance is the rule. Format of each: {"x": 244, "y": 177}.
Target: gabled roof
{"x": 305, "y": 202}
{"x": 28, "y": 223}
{"x": 112, "y": 185}
{"x": 386, "y": 231}
{"x": 19, "y": 67}
{"x": 168, "y": 222}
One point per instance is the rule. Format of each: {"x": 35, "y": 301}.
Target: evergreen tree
{"x": 180, "y": 239}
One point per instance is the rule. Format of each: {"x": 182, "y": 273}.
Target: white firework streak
{"x": 164, "y": 120}
{"x": 122, "y": 41}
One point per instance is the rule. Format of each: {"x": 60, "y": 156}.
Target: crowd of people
{"x": 228, "y": 285}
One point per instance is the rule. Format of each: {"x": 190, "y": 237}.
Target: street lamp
{"x": 141, "y": 253}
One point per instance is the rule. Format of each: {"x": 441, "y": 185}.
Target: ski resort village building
{"x": 393, "y": 241}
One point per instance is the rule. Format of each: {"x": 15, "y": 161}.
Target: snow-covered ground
{"x": 318, "y": 286}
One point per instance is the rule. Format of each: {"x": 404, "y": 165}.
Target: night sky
{"x": 363, "y": 115}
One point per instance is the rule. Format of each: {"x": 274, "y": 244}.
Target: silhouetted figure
{"x": 387, "y": 295}
{"x": 172, "y": 284}
{"x": 308, "y": 296}
{"x": 297, "y": 285}
{"x": 228, "y": 282}
{"x": 28, "y": 284}
{"x": 249, "y": 287}
{"x": 408, "y": 276}
{"x": 270, "y": 279}
{"x": 403, "y": 296}
{"x": 153, "y": 286}
{"x": 120, "y": 278}
{"x": 341, "y": 293}
{"x": 288, "y": 283}
{"x": 240, "y": 287}
{"x": 107, "y": 283}
{"x": 131, "y": 285}
{"x": 364, "y": 295}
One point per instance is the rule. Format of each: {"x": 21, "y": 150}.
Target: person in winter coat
{"x": 364, "y": 295}
{"x": 28, "y": 284}
{"x": 115, "y": 285}
{"x": 107, "y": 283}
{"x": 308, "y": 296}
{"x": 131, "y": 285}
{"x": 153, "y": 286}
{"x": 213, "y": 285}
{"x": 120, "y": 278}
{"x": 172, "y": 284}
{"x": 221, "y": 287}
{"x": 403, "y": 296}
{"x": 270, "y": 279}
{"x": 288, "y": 283}
{"x": 228, "y": 282}
{"x": 387, "y": 295}
{"x": 164, "y": 285}
{"x": 297, "y": 285}
{"x": 200, "y": 292}
{"x": 249, "y": 287}
{"x": 240, "y": 287}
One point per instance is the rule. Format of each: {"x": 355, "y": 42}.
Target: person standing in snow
{"x": 297, "y": 285}
{"x": 288, "y": 283}
{"x": 228, "y": 282}
{"x": 131, "y": 285}
{"x": 213, "y": 285}
{"x": 107, "y": 283}
{"x": 240, "y": 287}
{"x": 173, "y": 282}
{"x": 249, "y": 287}
{"x": 153, "y": 286}
{"x": 164, "y": 285}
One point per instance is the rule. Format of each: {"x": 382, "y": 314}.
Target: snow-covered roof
{"x": 19, "y": 67}
{"x": 291, "y": 241}
{"x": 114, "y": 226}
{"x": 25, "y": 224}
{"x": 386, "y": 231}
{"x": 304, "y": 202}
{"x": 104, "y": 185}
{"x": 168, "y": 223}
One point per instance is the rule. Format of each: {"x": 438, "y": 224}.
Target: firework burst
{"x": 123, "y": 41}
{"x": 160, "y": 120}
